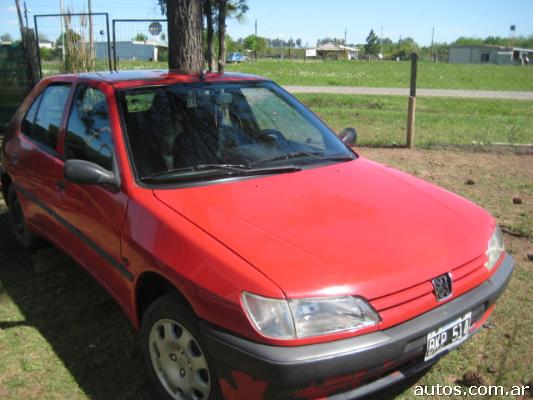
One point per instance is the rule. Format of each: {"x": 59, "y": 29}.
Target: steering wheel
{"x": 275, "y": 136}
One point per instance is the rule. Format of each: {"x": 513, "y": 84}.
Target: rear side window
{"x": 46, "y": 125}
{"x": 88, "y": 134}
{"x": 29, "y": 119}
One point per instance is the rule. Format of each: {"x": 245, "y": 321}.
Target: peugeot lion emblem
{"x": 442, "y": 285}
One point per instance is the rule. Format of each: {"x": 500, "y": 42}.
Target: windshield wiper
{"x": 202, "y": 171}
{"x": 317, "y": 155}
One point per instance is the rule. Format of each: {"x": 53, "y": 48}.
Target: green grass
{"x": 365, "y": 73}
{"x": 381, "y": 120}
{"x": 391, "y": 74}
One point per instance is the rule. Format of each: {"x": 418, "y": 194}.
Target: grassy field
{"x": 62, "y": 336}
{"x": 381, "y": 120}
{"x": 391, "y": 74}
{"x": 366, "y": 73}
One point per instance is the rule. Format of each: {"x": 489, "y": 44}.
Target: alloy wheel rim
{"x": 179, "y": 362}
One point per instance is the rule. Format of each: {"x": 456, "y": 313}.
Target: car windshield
{"x": 230, "y": 127}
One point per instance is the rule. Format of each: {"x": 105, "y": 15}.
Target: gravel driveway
{"x": 486, "y": 94}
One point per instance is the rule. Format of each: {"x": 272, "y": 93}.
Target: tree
{"x": 69, "y": 36}
{"x": 221, "y": 34}
{"x": 208, "y": 11}
{"x": 140, "y": 37}
{"x": 185, "y": 35}
{"x": 232, "y": 9}
{"x": 257, "y": 44}
{"x": 6, "y": 37}
{"x": 327, "y": 40}
{"x": 299, "y": 42}
{"x": 406, "y": 47}
{"x": 372, "y": 45}
{"x": 211, "y": 10}
{"x": 468, "y": 41}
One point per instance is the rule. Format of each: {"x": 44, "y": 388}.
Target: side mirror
{"x": 87, "y": 173}
{"x": 348, "y": 136}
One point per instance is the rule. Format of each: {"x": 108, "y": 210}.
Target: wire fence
{"x": 14, "y": 82}
{"x": 73, "y": 42}
{"x": 140, "y": 44}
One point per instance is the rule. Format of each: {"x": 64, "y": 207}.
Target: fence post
{"x": 412, "y": 103}
{"x": 114, "y": 46}
{"x": 108, "y": 42}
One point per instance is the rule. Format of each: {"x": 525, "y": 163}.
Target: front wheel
{"x": 174, "y": 351}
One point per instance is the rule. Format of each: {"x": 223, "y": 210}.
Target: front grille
{"x": 400, "y": 306}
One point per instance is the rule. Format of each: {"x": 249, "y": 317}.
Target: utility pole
{"x": 26, "y": 14}
{"x": 432, "y": 35}
{"x": 345, "y": 33}
{"x": 21, "y": 21}
{"x": 381, "y": 51}
{"x": 30, "y": 46}
{"x": 255, "y": 49}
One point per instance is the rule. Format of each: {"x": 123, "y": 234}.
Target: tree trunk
{"x": 211, "y": 56}
{"x": 222, "y": 35}
{"x": 185, "y": 52}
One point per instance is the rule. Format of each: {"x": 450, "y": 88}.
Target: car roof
{"x": 134, "y": 78}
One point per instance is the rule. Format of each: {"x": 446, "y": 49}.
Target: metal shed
{"x": 489, "y": 54}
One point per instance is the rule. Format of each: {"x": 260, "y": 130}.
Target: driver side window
{"x": 271, "y": 112}
{"x": 88, "y": 133}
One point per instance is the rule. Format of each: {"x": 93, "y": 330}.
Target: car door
{"x": 47, "y": 163}
{"x": 100, "y": 209}
{"x": 20, "y": 153}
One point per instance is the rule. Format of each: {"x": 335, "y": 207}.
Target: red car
{"x": 257, "y": 253}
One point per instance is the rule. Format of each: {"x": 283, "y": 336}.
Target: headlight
{"x": 495, "y": 248}
{"x": 299, "y": 318}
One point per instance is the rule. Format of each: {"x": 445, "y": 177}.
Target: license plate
{"x": 447, "y": 336}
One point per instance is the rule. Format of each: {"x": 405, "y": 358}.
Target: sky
{"x": 310, "y": 20}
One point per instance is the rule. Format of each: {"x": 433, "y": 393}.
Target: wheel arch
{"x": 149, "y": 287}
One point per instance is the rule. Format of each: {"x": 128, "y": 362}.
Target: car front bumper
{"x": 348, "y": 368}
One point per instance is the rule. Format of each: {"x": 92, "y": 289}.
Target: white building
{"x": 147, "y": 50}
{"x": 333, "y": 51}
{"x": 489, "y": 54}
{"x": 46, "y": 44}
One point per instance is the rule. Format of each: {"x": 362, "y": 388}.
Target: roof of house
{"x": 335, "y": 47}
{"x": 490, "y": 46}
{"x": 157, "y": 43}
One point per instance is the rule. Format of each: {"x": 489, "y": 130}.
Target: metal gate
{"x": 73, "y": 42}
{"x": 140, "y": 44}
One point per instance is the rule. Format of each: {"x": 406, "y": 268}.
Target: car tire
{"x": 175, "y": 354}
{"x": 21, "y": 233}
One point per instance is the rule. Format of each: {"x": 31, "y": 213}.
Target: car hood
{"x": 354, "y": 227}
